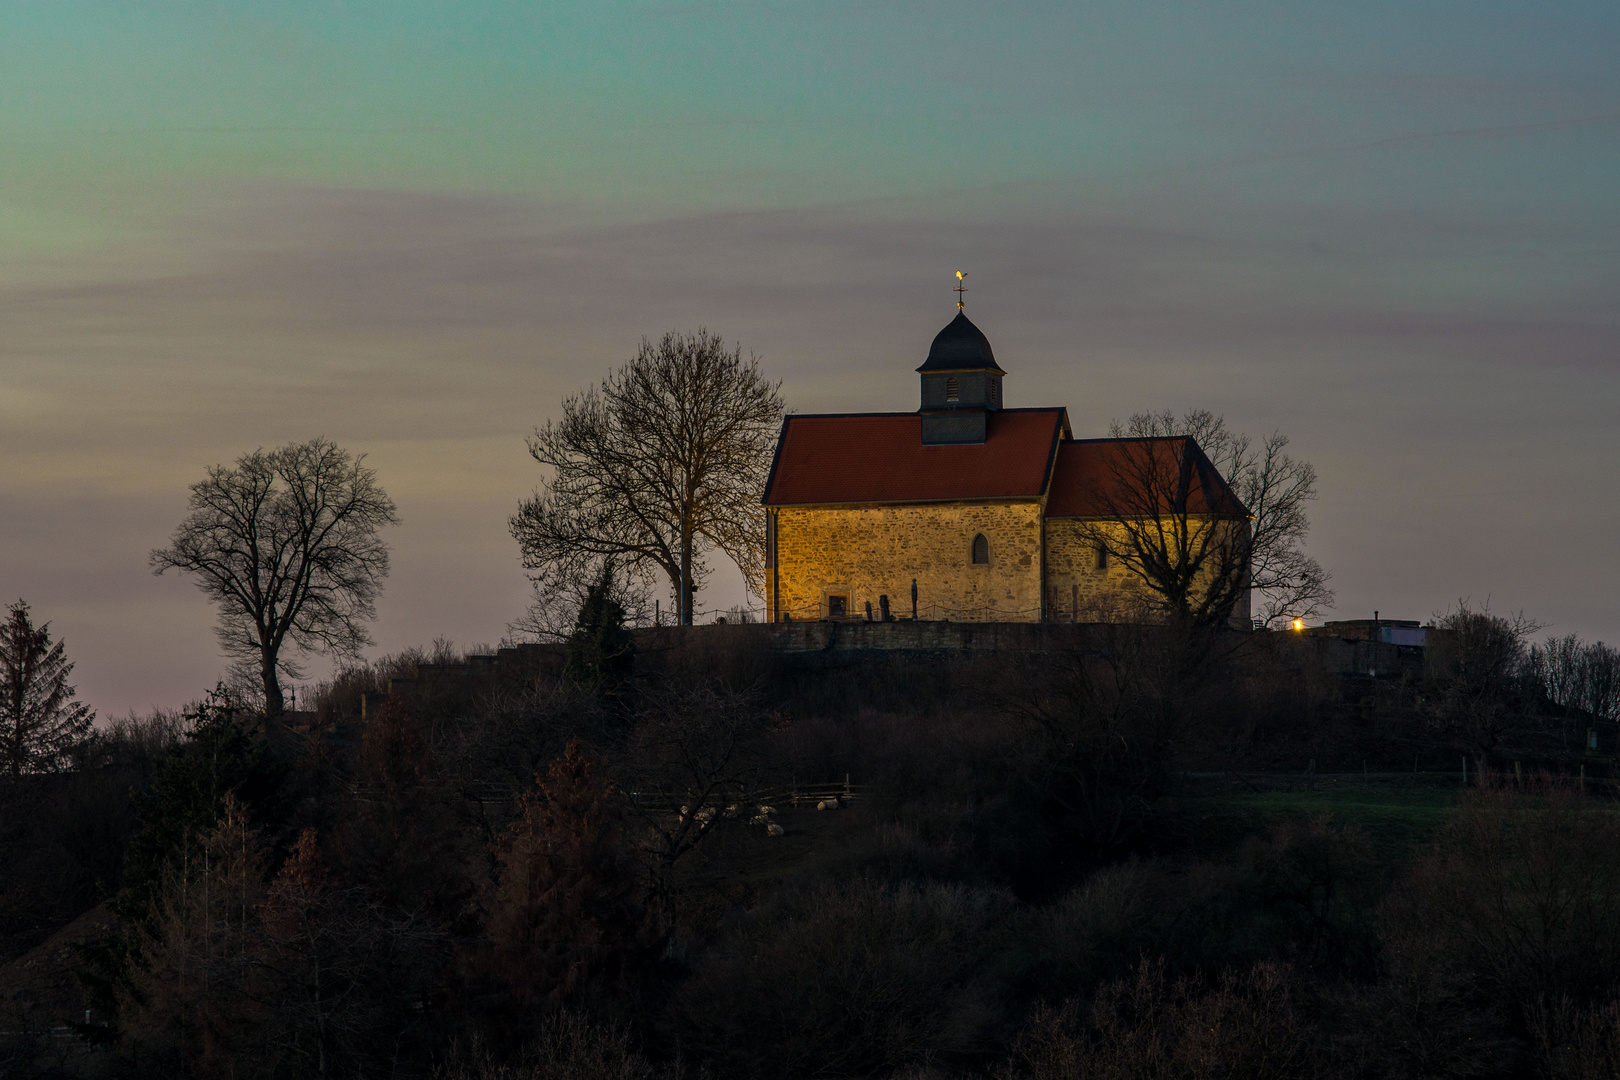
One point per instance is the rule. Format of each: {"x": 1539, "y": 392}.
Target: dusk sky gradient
{"x": 1388, "y": 230}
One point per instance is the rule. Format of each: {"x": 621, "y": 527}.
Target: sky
{"x": 1388, "y": 230}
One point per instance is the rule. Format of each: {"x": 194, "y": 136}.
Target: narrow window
{"x": 1102, "y": 557}
{"x": 953, "y": 389}
{"x": 981, "y": 551}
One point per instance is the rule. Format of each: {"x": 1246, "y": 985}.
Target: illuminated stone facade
{"x": 863, "y": 553}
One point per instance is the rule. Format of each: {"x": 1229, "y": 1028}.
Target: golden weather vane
{"x": 960, "y": 289}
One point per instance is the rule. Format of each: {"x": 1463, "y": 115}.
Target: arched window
{"x": 953, "y": 389}
{"x": 1102, "y": 556}
{"x": 981, "y": 551}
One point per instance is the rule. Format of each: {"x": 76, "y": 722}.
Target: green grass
{"x": 1398, "y": 815}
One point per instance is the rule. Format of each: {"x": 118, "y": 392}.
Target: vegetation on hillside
{"x": 1079, "y": 864}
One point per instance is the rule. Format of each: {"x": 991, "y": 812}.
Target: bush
{"x": 848, "y": 979}
{"x": 567, "y": 1047}
{"x": 1244, "y": 1026}
{"x": 1575, "y": 1043}
{"x": 1520, "y": 896}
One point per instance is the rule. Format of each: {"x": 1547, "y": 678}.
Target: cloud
{"x": 1455, "y": 408}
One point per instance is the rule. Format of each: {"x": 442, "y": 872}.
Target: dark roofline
{"x": 917, "y": 412}
{"x": 978, "y": 499}
{"x": 776, "y": 459}
{"x": 1141, "y": 438}
{"x": 1051, "y": 455}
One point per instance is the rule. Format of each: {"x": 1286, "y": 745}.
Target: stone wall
{"x": 1079, "y": 590}
{"x": 922, "y": 637}
{"x": 863, "y": 553}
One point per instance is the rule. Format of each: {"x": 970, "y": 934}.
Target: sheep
{"x": 827, "y": 804}
{"x": 767, "y": 810}
{"x": 775, "y": 830}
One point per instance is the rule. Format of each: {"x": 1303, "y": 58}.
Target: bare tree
{"x": 696, "y": 759}
{"x": 1200, "y": 515}
{"x": 40, "y": 723}
{"x": 1482, "y": 673}
{"x": 286, "y": 544}
{"x": 667, "y": 457}
{"x": 1579, "y": 675}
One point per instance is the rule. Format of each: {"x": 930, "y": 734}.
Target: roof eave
{"x": 1032, "y": 497}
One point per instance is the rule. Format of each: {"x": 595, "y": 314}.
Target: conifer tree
{"x": 601, "y": 652}
{"x": 567, "y": 917}
{"x": 40, "y": 723}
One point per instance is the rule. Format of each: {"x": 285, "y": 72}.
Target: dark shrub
{"x": 847, "y": 979}
{"x": 1520, "y": 897}
{"x": 1245, "y": 1026}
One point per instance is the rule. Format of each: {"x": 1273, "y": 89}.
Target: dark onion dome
{"x": 961, "y": 346}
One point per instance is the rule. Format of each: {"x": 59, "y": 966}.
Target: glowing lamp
{"x": 1299, "y": 624}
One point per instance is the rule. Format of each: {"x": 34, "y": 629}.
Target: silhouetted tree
{"x": 1579, "y": 675}
{"x": 566, "y": 918}
{"x": 185, "y": 999}
{"x": 700, "y": 749}
{"x": 219, "y": 758}
{"x": 1199, "y": 516}
{"x": 399, "y": 839}
{"x": 40, "y": 723}
{"x": 285, "y": 543}
{"x": 601, "y": 651}
{"x": 1480, "y": 670}
{"x": 667, "y": 456}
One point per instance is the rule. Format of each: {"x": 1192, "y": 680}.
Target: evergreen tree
{"x": 601, "y": 651}
{"x": 219, "y": 757}
{"x": 40, "y": 723}
{"x": 220, "y": 770}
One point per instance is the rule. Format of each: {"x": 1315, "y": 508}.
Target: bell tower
{"x": 961, "y": 385}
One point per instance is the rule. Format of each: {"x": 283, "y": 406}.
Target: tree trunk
{"x": 274, "y": 703}
{"x": 685, "y": 599}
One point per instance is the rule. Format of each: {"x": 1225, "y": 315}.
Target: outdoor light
{"x": 1299, "y": 624}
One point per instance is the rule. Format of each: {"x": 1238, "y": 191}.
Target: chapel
{"x": 964, "y": 509}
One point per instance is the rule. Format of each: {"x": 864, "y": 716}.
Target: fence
{"x": 933, "y": 612}
{"x": 797, "y": 796}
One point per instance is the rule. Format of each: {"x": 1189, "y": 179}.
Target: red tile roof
{"x": 1094, "y": 477}
{"x": 880, "y": 457}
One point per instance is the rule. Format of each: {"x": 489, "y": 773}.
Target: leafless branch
{"x": 286, "y": 544}
{"x": 666, "y": 458}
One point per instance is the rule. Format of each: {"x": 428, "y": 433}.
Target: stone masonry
{"x": 862, "y": 553}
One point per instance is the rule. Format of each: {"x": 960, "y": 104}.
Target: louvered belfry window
{"x": 953, "y": 389}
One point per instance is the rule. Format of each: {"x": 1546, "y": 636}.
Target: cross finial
{"x": 960, "y": 289}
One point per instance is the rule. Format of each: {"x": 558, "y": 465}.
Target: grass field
{"x": 1399, "y": 814}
